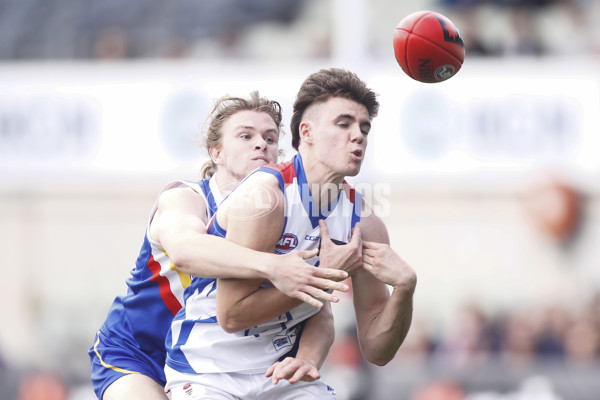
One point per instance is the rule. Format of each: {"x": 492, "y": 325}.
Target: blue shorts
{"x": 112, "y": 359}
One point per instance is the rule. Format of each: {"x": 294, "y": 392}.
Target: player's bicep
{"x": 372, "y": 227}
{"x": 180, "y": 216}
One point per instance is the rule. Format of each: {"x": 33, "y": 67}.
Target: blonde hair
{"x": 224, "y": 108}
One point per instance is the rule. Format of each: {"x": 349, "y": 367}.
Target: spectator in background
{"x": 111, "y": 43}
{"x": 443, "y": 389}
{"x": 582, "y": 341}
{"x": 469, "y": 342}
{"x": 42, "y": 386}
{"x": 552, "y": 323}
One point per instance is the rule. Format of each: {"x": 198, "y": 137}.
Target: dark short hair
{"x": 325, "y": 84}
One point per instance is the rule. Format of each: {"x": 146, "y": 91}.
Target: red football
{"x": 428, "y": 47}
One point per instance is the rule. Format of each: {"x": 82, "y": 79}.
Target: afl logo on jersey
{"x": 288, "y": 241}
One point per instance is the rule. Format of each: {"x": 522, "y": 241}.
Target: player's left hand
{"x": 386, "y": 265}
{"x": 294, "y": 370}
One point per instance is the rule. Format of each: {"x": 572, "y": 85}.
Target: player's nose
{"x": 356, "y": 135}
{"x": 260, "y": 143}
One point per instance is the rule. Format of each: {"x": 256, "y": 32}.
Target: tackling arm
{"x": 180, "y": 226}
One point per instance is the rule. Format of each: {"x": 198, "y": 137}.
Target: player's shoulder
{"x": 179, "y": 191}
{"x": 262, "y": 176}
{"x": 372, "y": 227}
{"x": 178, "y": 199}
{"x": 284, "y": 171}
{"x": 281, "y": 167}
{"x": 257, "y": 195}
{"x": 273, "y": 175}
{"x": 259, "y": 189}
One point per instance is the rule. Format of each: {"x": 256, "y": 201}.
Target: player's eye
{"x": 365, "y": 129}
{"x": 245, "y": 136}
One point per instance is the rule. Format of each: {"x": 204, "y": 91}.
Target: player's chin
{"x": 353, "y": 168}
{"x": 352, "y": 171}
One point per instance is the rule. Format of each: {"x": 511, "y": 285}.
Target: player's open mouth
{"x": 358, "y": 154}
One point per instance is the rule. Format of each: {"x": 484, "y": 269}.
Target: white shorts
{"x": 235, "y": 386}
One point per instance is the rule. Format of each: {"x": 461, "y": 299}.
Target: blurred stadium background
{"x": 489, "y": 183}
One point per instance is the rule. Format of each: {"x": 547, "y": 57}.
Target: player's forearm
{"x": 210, "y": 256}
{"x": 317, "y": 337}
{"x": 381, "y": 338}
{"x": 259, "y": 306}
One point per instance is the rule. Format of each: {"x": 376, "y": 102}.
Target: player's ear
{"x": 215, "y": 154}
{"x": 306, "y": 131}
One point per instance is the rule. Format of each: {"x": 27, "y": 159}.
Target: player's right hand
{"x": 347, "y": 257}
{"x": 294, "y": 370}
{"x": 296, "y": 278}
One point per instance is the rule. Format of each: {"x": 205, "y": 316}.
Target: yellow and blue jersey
{"x": 132, "y": 338}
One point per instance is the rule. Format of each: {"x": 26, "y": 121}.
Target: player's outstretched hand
{"x": 294, "y": 370}
{"x": 387, "y": 266}
{"x": 296, "y": 278}
{"x": 346, "y": 257}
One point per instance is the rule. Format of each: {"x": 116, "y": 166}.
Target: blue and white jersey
{"x": 197, "y": 344}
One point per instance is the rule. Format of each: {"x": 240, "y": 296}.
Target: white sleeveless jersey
{"x": 197, "y": 344}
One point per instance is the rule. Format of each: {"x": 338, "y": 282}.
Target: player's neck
{"x": 226, "y": 182}
{"x": 323, "y": 183}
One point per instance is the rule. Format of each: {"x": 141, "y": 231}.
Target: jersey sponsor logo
{"x": 311, "y": 238}
{"x": 281, "y": 342}
{"x": 287, "y": 340}
{"x": 288, "y": 241}
{"x": 188, "y": 389}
